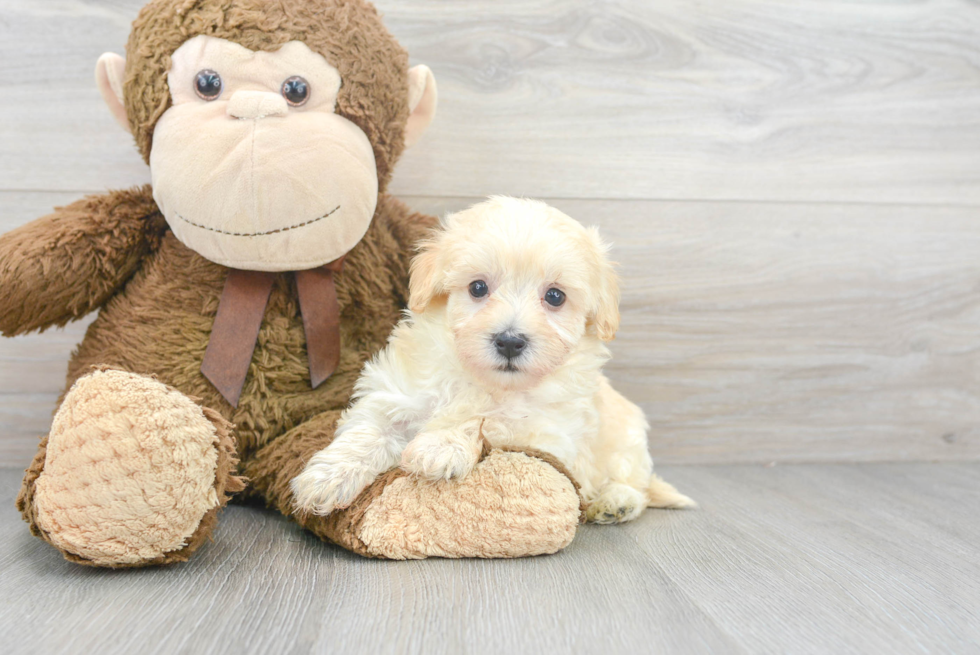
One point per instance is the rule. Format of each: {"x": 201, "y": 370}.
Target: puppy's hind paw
{"x": 616, "y": 503}
{"x": 324, "y": 485}
{"x": 441, "y": 455}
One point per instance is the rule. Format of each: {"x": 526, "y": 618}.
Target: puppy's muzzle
{"x": 510, "y": 345}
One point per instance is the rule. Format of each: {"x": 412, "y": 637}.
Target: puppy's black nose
{"x": 509, "y": 345}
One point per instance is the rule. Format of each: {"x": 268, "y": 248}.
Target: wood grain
{"x": 795, "y": 332}
{"x": 725, "y": 99}
{"x": 803, "y": 559}
{"x": 752, "y": 332}
{"x": 833, "y": 555}
{"x": 791, "y": 188}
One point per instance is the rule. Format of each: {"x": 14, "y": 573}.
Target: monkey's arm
{"x": 407, "y": 226}
{"x": 61, "y": 267}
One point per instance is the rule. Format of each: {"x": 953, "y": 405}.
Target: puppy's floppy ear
{"x": 426, "y": 273}
{"x": 606, "y": 306}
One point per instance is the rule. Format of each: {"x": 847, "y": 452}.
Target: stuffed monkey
{"x": 239, "y": 296}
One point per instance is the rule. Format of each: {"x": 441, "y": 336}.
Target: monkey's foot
{"x": 133, "y": 473}
{"x": 513, "y": 504}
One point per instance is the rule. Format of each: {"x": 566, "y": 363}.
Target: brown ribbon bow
{"x": 240, "y": 312}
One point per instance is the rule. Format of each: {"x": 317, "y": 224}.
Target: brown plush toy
{"x": 240, "y": 296}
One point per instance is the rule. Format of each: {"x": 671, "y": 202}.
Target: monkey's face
{"x": 252, "y": 167}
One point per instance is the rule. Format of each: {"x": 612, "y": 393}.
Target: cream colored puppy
{"x": 510, "y": 306}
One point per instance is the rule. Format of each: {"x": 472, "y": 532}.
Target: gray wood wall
{"x": 793, "y": 191}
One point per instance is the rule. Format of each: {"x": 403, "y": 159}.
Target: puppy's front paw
{"x": 441, "y": 455}
{"x": 327, "y": 484}
{"x": 616, "y": 503}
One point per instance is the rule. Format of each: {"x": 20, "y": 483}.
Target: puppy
{"x": 510, "y": 305}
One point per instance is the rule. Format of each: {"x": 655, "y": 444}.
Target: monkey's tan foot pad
{"x": 513, "y": 504}
{"x": 133, "y": 473}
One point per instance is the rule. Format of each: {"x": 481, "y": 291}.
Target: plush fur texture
{"x": 487, "y": 514}
{"x": 112, "y": 495}
{"x": 418, "y": 520}
{"x": 444, "y": 385}
{"x": 130, "y": 471}
{"x": 373, "y": 66}
{"x": 157, "y": 300}
{"x": 259, "y": 197}
{"x": 63, "y": 266}
{"x": 160, "y": 323}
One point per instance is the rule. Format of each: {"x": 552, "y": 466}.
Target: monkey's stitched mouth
{"x": 258, "y": 234}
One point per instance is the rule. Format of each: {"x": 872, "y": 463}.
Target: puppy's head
{"x": 522, "y": 286}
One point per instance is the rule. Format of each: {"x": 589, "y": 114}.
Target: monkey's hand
{"x": 61, "y": 267}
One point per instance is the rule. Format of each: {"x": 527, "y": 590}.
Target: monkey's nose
{"x": 509, "y": 345}
{"x": 252, "y": 105}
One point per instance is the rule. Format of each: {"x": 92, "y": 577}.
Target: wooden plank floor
{"x": 873, "y": 558}
{"x": 792, "y": 189}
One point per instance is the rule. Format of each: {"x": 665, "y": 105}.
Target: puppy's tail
{"x": 662, "y": 494}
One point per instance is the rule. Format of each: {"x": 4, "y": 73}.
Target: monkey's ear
{"x": 109, "y": 74}
{"x": 422, "y": 97}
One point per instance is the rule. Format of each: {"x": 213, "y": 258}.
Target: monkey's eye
{"x": 479, "y": 288}
{"x": 554, "y": 297}
{"x": 296, "y": 91}
{"x": 208, "y": 84}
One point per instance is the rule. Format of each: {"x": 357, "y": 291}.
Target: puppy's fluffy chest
{"x": 542, "y": 419}
{"x": 557, "y": 415}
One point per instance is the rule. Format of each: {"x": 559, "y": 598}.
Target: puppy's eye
{"x": 554, "y": 297}
{"x": 207, "y": 84}
{"x": 296, "y": 91}
{"x": 479, "y": 288}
